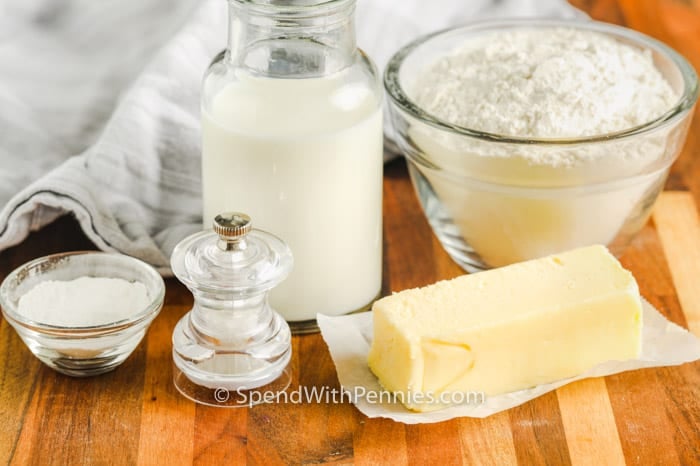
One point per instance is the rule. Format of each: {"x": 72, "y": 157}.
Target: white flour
{"x": 544, "y": 83}
{"x": 553, "y": 83}
{"x": 83, "y": 302}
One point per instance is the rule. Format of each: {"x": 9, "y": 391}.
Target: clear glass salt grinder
{"x": 292, "y": 111}
{"x": 231, "y": 341}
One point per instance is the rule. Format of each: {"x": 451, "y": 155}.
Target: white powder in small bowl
{"x": 83, "y": 302}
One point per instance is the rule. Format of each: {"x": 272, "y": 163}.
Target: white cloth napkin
{"x": 99, "y": 107}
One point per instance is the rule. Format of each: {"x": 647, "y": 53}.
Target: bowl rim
{"x": 684, "y": 104}
{"x": 146, "y": 314}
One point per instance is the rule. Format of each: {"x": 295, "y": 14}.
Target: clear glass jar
{"x": 292, "y": 135}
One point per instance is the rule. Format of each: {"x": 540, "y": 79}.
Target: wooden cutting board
{"x": 134, "y": 414}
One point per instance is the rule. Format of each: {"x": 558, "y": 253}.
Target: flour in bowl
{"x": 552, "y": 83}
{"x": 518, "y": 201}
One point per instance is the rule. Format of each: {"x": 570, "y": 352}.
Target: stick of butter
{"x": 506, "y": 329}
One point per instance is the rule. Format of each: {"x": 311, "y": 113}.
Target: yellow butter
{"x": 506, "y": 329}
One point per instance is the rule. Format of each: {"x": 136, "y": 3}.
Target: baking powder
{"x": 84, "y": 301}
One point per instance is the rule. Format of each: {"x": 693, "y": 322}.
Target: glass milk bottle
{"x": 292, "y": 135}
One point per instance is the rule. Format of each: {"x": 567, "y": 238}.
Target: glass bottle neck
{"x": 291, "y": 39}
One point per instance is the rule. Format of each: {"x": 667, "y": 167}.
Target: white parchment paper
{"x": 348, "y": 338}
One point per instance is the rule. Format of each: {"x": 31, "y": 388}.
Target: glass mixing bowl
{"x": 486, "y": 200}
{"x": 82, "y": 350}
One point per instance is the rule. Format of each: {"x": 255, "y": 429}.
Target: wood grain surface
{"x": 134, "y": 415}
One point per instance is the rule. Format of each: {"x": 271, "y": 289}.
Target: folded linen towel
{"x": 99, "y": 107}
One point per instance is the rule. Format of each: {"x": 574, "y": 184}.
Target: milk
{"x": 303, "y": 158}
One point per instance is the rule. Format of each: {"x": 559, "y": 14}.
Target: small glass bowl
{"x": 489, "y": 201}
{"x": 81, "y": 351}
